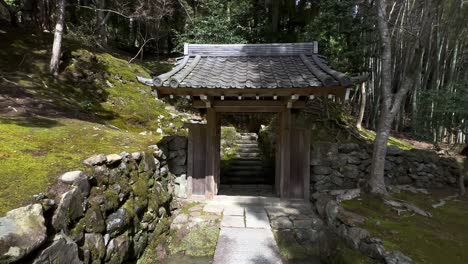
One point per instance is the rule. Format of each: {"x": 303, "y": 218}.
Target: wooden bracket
{"x": 207, "y": 100}
{"x": 293, "y": 99}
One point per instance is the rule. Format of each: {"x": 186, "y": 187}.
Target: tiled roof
{"x": 252, "y": 66}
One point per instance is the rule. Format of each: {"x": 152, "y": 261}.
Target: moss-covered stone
{"x": 140, "y": 193}
{"x": 94, "y": 219}
{"x": 112, "y": 200}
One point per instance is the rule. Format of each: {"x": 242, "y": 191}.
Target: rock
{"x": 94, "y": 248}
{"x": 177, "y": 143}
{"x": 180, "y": 188}
{"x": 355, "y": 235}
{"x": 71, "y": 176}
{"x": 136, "y": 156}
{"x": 318, "y": 177}
{"x": 21, "y": 231}
{"x": 348, "y": 147}
{"x": 302, "y": 223}
{"x": 118, "y": 221}
{"x": 179, "y": 221}
{"x": 349, "y": 218}
{"x": 324, "y": 170}
{"x": 39, "y": 196}
{"x": 305, "y": 236}
{"x": 281, "y": 222}
{"x": 350, "y": 171}
{"x": 94, "y": 220}
{"x": 321, "y": 203}
{"x": 331, "y": 209}
{"x": 354, "y": 160}
{"x": 113, "y": 158}
{"x": 118, "y": 249}
{"x": 394, "y": 151}
{"x": 346, "y": 195}
{"x": 68, "y": 210}
{"x": 140, "y": 241}
{"x": 373, "y": 250}
{"x": 95, "y": 160}
{"x": 396, "y": 257}
{"x": 63, "y": 250}
{"x": 78, "y": 179}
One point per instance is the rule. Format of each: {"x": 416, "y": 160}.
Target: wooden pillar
{"x": 285, "y": 153}
{"x": 211, "y": 171}
{"x": 190, "y": 161}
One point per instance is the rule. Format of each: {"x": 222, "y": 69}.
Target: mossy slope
{"x": 48, "y": 126}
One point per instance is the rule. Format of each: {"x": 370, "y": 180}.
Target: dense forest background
{"x": 429, "y": 41}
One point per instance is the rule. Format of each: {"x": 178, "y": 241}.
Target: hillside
{"x": 49, "y": 126}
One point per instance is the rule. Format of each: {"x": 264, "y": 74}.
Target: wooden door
{"x": 196, "y": 170}
{"x": 299, "y": 177}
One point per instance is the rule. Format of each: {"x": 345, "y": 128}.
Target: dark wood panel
{"x": 196, "y": 159}
{"x": 211, "y": 171}
{"x": 300, "y": 168}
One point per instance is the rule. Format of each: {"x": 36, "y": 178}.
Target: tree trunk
{"x": 362, "y": 106}
{"x": 101, "y": 23}
{"x": 376, "y": 184}
{"x": 58, "y": 36}
{"x": 13, "y": 18}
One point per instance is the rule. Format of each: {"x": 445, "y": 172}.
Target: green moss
{"x": 140, "y": 188}
{"x": 346, "y": 255}
{"x": 186, "y": 207}
{"x": 200, "y": 241}
{"x": 370, "y": 135}
{"x": 150, "y": 255}
{"x": 291, "y": 249}
{"x": 440, "y": 239}
{"x": 112, "y": 200}
{"x": 35, "y": 149}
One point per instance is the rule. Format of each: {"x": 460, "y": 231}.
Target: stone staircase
{"x": 247, "y": 166}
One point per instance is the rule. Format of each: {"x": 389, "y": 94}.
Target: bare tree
{"x": 58, "y": 36}
{"x": 362, "y": 106}
{"x": 390, "y": 103}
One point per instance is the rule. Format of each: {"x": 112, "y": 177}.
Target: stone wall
{"x": 345, "y": 166}
{"x": 108, "y": 214}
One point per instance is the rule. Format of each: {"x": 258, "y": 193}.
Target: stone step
{"x": 246, "y": 162}
{"x": 248, "y": 150}
{"x": 243, "y": 141}
{"x": 246, "y": 167}
{"x": 247, "y": 155}
{"x": 244, "y": 180}
{"x": 247, "y": 137}
{"x": 250, "y": 173}
{"x": 247, "y": 145}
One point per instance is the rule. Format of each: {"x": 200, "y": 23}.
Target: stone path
{"x": 245, "y": 236}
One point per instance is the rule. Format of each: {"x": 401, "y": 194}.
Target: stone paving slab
{"x": 255, "y": 209}
{"x": 246, "y": 246}
{"x": 232, "y": 221}
{"x": 213, "y": 208}
{"x": 257, "y": 220}
{"x": 233, "y": 210}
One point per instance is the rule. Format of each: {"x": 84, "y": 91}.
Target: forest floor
{"x": 48, "y": 126}
{"x": 442, "y": 238}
